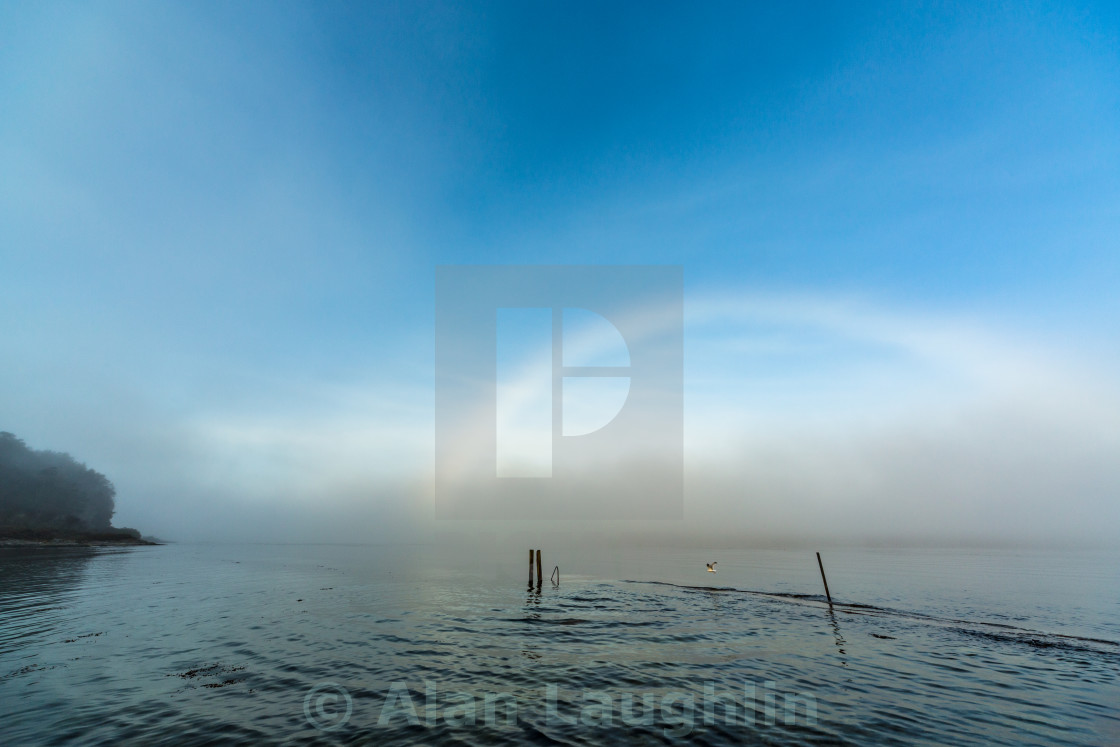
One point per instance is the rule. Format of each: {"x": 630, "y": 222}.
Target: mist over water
{"x": 886, "y": 329}
{"x": 192, "y": 643}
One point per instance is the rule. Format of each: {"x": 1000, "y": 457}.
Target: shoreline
{"x": 66, "y": 542}
{"x": 61, "y": 538}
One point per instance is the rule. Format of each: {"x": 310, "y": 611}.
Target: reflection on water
{"x": 36, "y": 586}
{"x": 835, "y": 625}
{"x": 251, "y": 645}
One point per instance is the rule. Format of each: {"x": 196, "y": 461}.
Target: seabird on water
{"x": 711, "y": 568}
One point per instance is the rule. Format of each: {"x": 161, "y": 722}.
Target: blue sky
{"x": 219, "y": 225}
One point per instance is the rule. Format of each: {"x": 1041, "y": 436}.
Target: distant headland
{"x": 49, "y": 498}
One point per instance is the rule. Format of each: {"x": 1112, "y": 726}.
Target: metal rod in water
{"x": 555, "y": 577}
{"x": 819, "y": 563}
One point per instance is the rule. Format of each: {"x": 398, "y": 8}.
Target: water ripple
{"x": 185, "y": 645}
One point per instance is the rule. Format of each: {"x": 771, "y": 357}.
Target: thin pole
{"x": 530, "y": 566}
{"x": 824, "y": 579}
{"x": 555, "y": 575}
{"x": 540, "y": 575}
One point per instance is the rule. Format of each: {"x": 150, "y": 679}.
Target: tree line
{"x": 51, "y": 490}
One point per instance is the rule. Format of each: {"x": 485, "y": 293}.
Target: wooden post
{"x": 530, "y": 566}
{"x": 540, "y": 573}
{"x": 819, "y": 563}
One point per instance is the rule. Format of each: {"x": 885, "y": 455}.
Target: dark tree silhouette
{"x": 51, "y": 490}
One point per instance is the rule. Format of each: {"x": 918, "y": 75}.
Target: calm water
{"x": 266, "y": 644}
